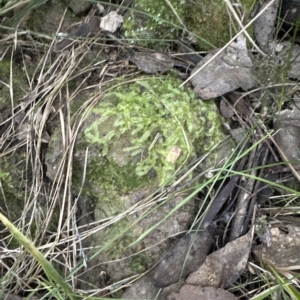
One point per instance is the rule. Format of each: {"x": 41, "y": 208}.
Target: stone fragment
{"x": 111, "y": 22}
{"x": 264, "y": 25}
{"x": 229, "y": 70}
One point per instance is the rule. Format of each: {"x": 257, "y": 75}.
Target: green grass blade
{"x": 44, "y": 263}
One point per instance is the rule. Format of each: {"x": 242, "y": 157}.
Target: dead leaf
{"x": 111, "y": 22}
{"x": 173, "y": 154}
{"x": 225, "y": 266}
{"x": 230, "y": 70}
{"x": 152, "y": 63}
{"x": 284, "y": 250}
{"x": 198, "y": 293}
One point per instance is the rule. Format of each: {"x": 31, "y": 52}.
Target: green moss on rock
{"x": 18, "y": 84}
{"x": 130, "y": 134}
{"x": 153, "y": 20}
{"x": 207, "y": 22}
{"x": 13, "y": 192}
{"x": 152, "y": 116}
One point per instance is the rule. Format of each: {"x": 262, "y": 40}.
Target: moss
{"x": 19, "y": 81}
{"x": 11, "y": 187}
{"x": 211, "y": 24}
{"x": 155, "y": 21}
{"x": 38, "y": 23}
{"x": 207, "y": 22}
{"x": 118, "y": 248}
{"x": 130, "y": 134}
{"x": 13, "y": 192}
{"x": 114, "y": 176}
{"x": 146, "y": 120}
{"x": 5, "y": 67}
{"x": 139, "y": 263}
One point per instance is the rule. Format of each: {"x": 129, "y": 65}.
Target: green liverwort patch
{"x": 154, "y": 116}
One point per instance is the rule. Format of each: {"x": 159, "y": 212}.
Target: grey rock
{"x": 264, "y": 25}
{"x": 294, "y": 71}
{"x": 197, "y": 293}
{"x": 142, "y": 289}
{"x": 287, "y": 131}
{"x": 185, "y": 257}
{"x": 152, "y": 63}
{"x": 79, "y": 6}
{"x": 111, "y": 22}
{"x": 228, "y": 71}
{"x": 279, "y": 254}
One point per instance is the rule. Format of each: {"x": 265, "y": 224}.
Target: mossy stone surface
{"x": 12, "y": 85}
{"x": 129, "y": 135}
{"x": 139, "y": 124}
{"x": 156, "y": 23}
{"x": 13, "y": 192}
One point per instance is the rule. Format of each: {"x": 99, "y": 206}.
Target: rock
{"x": 264, "y": 25}
{"x": 143, "y": 288}
{"x": 47, "y": 18}
{"x": 287, "y": 134}
{"x": 294, "y": 71}
{"x": 224, "y": 266}
{"x": 228, "y": 71}
{"x": 284, "y": 249}
{"x": 79, "y": 6}
{"x": 197, "y": 293}
{"x": 130, "y": 135}
{"x": 111, "y": 22}
{"x": 187, "y": 255}
{"x": 152, "y": 63}
{"x": 153, "y": 21}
